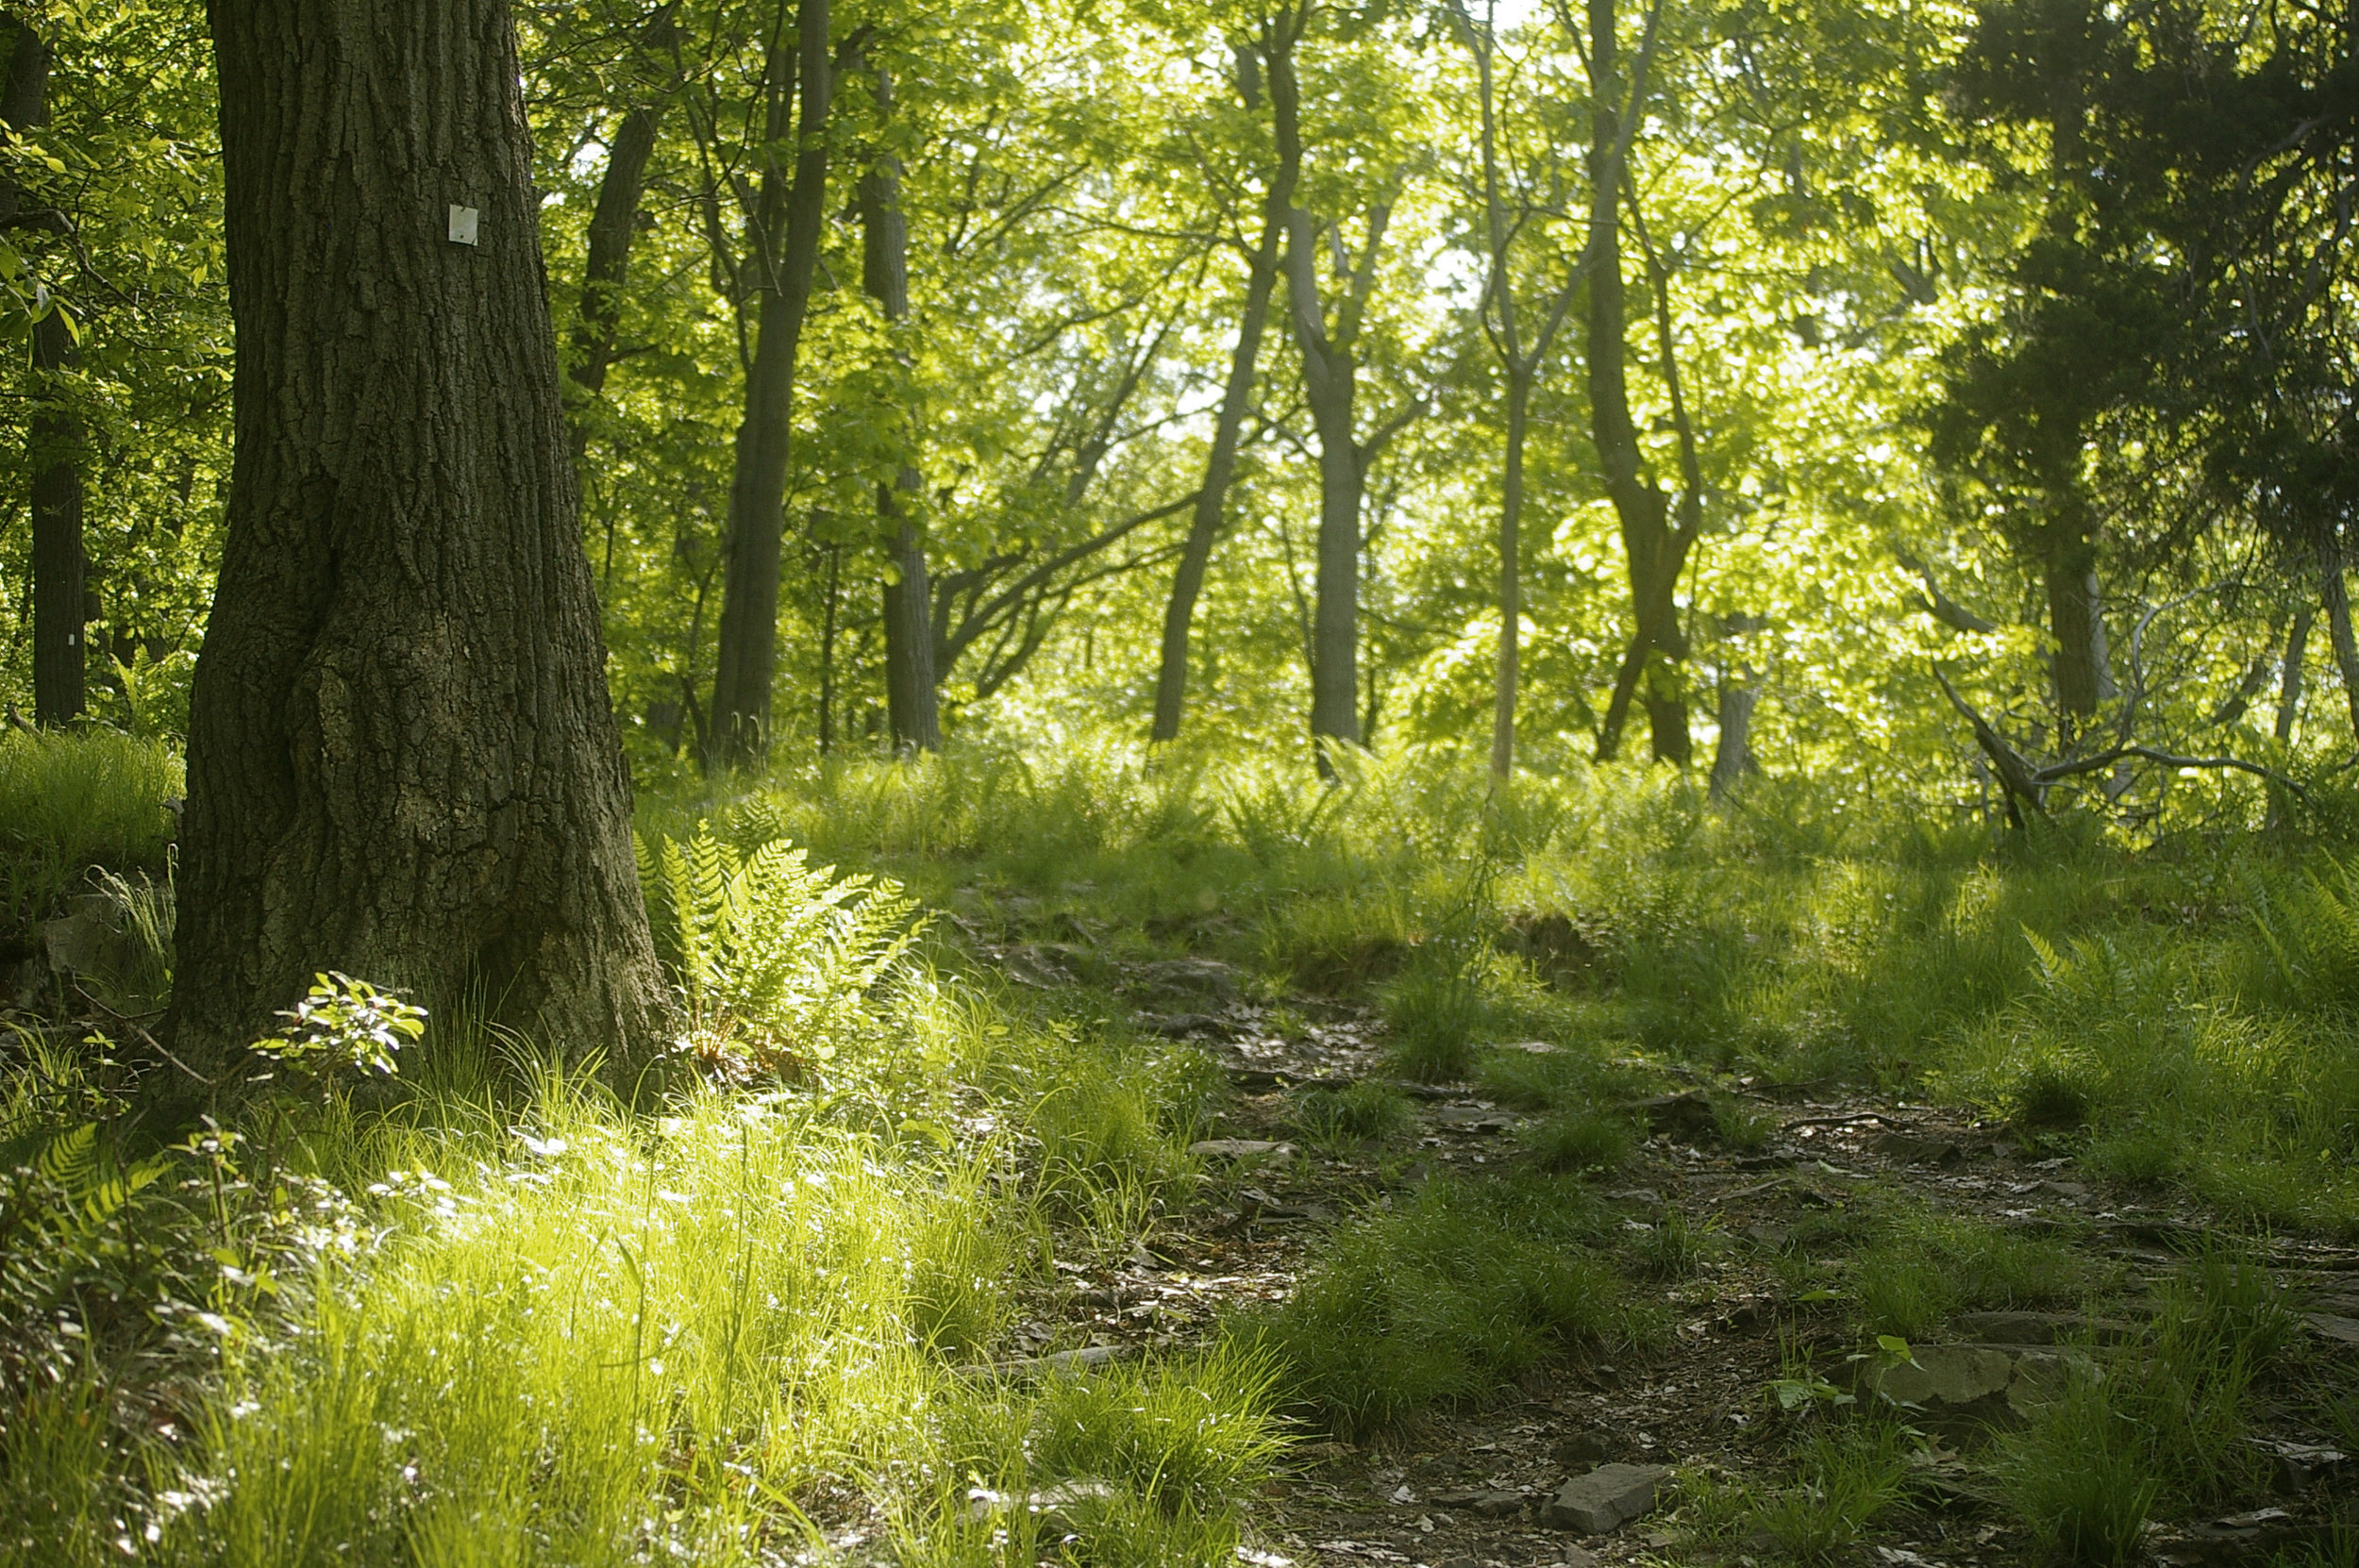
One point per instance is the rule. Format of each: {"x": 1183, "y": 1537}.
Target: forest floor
{"x": 1193, "y": 1164}
{"x": 1722, "y": 1235}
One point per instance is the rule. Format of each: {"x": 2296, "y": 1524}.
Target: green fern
{"x": 774, "y": 960}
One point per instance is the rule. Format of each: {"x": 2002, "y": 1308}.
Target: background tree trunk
{"x": 54, "y": 440}
{"x": 1733, "y": 753}
{"x": 2084, "y": 673}
{"x": 1506, "y": 674}
{"x": 912, "y": 699}
{"x": 2290, "y": 678}
{"x": 402, "y": 763}
{"x": 1640, "y": 506}
{"x": 2335, "y": 598}
{"x": 60, "y": 569}
{"x": 1220, "y": 463}
{"x": 1330, "y": 384}
{"x": 746, "y": 651}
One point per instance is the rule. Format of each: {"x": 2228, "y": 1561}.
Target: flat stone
{"x": 2341, "y": 1330}
{"x": 1060, "y": 1503}
{"x": 1682, "y": 1115}
{"x": 1913, "y": 1149}
{"x": 1197, "y": 977}
{"x": 1499, "y": 1504}
{"x": 2018, "y": 1329}
{"x": 1607, "y": 1498}
{"x": 1240, "y": 1148}
{"x": 1475, "y": 1118}
{"x": 1979, "y": 1380}
{"x": 1084, "y": 1359}
{"x": 1180, "y": 1026}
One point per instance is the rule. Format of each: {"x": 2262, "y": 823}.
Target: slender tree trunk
{"x": 2334, "y": 597}
{"x": 402, "y": 761}
{"x": 613, "y": 225}
{"x": 1511, "y": 573}
{"x": 2289, "y": 680}
{"x": 746, "y": 655}
{"x": 1330, "y": 381}
{"x": 1220, "y": 463}
{"x": 2083, "y": 675}
{"x": 61, "y": 569}
{"x": 54, "y": 438}
{"x": 827, "y": 653}
{"x": 1639, "y": 504}
{"x": 911, "y": 690}
{"x": 1739, "y": 693}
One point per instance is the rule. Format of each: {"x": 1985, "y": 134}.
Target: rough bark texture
{"x": 790, "y": 217}
{"x": 912, "y": 703}
{"x": 402, "y": 763}
{"x": 1220, "y": 464}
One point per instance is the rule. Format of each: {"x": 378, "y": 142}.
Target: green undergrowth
{"x": 72, "y": 802}
{"x": 1453, "y": 1294}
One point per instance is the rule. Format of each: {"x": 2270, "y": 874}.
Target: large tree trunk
{"x": 1220, "y": 463}
{"x": 747, "y": 649}
{"x": 54, "y": 438}
{"x": 402, "y": 763}
{"x": 912, "y": 703}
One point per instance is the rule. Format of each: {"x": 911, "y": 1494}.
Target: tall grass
{"x": 71, "y": 801}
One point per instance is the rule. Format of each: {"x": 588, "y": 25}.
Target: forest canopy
{"x": 1842, "y": 382}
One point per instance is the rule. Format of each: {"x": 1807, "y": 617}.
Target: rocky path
{"x": 1601, "y": 1461}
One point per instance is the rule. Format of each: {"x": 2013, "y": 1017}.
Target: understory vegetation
{"x": 479, "y": 1311}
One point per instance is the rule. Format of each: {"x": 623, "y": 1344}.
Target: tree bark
{"x": 2289, "y": 680}
{"x": 2083, "y": 675}
{"x": 1640, "y": 505}
{"x": 402, "y": 761}
{"x": 61, "y": 569}
{"x": 1733, "y": 753}
{"x": 784, "y": 265}
{"x": 1507, "y": 673}
{"x": 54, "y": 437}
{"x": 1330, "y": 384}
{"x": 613, "y": 224}
{"x": 911, "y": 701}
{"x": 1220, "y": 463}
{"x": 2334, "y": 597}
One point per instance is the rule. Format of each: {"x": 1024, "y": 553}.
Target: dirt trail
{"x": 1474, "y": 1487}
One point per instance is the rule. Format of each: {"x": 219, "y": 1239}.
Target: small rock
{"x": 1534, "y": 1047}
{"x": 1579, "y": 1451}
{"x": 1206, "y": 978}
{"x": 2304, "y": 1465}
{"x": 1499, "y": 1504}
{"x": 1180, "y": 1026}
{"x": 1912, "y": 1149}
{"x": 1580, "y": 1557}
{"x": 1240, "y": 1148}
{"x": 1684, "y": 1115}
{"x": 1607, "y": 1498}
{"x": 1059, "y": 1503}
{"x": 1970, "y": 1379}
{"x": 1475, "y": 1118}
